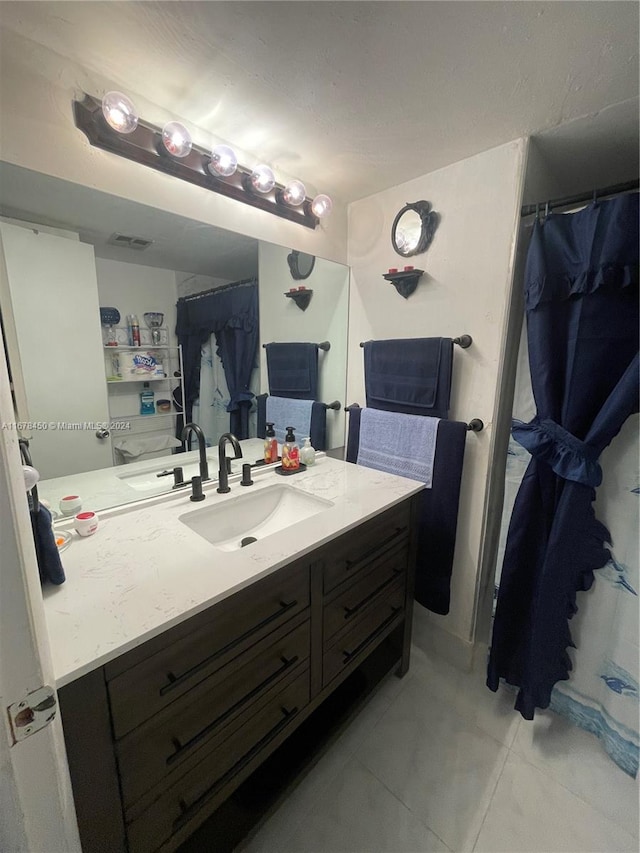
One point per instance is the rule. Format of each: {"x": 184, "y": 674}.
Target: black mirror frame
{"x": 293, "y": 259}
{"x": 429, "y": 222}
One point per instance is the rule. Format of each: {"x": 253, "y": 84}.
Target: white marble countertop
{"x": 145, "y": 571}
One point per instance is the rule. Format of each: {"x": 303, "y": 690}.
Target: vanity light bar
{"x": 143, "y": 144}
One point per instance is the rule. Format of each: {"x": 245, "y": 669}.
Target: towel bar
{"x": 324, "y": 345}
{"x": 474, "y": 425}
{"x": 335, "y": 405}
{"x": 463, "y": 341}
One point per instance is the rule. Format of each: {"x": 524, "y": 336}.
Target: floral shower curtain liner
{"x": 210, "y": 410}
{"x": 581, "y": 285}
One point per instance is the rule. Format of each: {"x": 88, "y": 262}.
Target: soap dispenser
{"x": 270, "y": 445}
{"x": 307, "y": 453}
{"x": 290, "y": 452}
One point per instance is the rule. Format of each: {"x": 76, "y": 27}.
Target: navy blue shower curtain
{"x": 231, "y": 313}
{"x": 581, "y": 287}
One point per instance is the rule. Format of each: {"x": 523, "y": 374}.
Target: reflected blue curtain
{"x": 231, "y": 313}
{"x": 581, "y": 287}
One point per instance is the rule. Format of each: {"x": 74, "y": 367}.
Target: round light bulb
{"x": 262, "y": 179}
{"x": 176, "y": 139}
{"x": 119, "y": 112}
{"x": 321, "y": 206}
{"x": 294, "y": 193}
{"x": 223, "y": 161}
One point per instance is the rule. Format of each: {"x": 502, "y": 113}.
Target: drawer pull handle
{"x": 182, "y": 748}
{"x": 187, "y": 811}
{"x": 349, "y": 655}
{"x": 174, "y": 681}
{"x": 373, "y": 552}
{"x": 351, "y": 611}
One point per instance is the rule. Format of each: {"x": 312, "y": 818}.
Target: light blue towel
{"x": 283, "y": 412}
{"x": 398, "y": 444}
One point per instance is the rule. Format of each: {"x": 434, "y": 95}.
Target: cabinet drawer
{"x": 216, "y": 637}
{"x": 181, "y": 807}
{"x": 349, "y": 646}
{"x": 179, "y": 735}
{"x": 350, "y": 601}
{"x": 353, "y": 551}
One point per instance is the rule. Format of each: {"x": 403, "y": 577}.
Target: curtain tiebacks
{"x": 568, "y": 456}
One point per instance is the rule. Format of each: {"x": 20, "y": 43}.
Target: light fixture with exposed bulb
{"x": 176, "y": 139}
{"x": 223, "y": 162}
{"x": 109, "y": 124}
{"x": 321, "y": 206}
{"x": 293, "y": 194}
{"x": 119, "y": 112}
{"x": 262, "y": 179}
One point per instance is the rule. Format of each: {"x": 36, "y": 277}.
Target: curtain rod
{"x": 546, "y": 206}
{"x": 220, "y": 289}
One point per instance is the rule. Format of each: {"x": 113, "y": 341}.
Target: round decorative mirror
{"x": 413, "y": 229}
{"x": 300, "y": 264}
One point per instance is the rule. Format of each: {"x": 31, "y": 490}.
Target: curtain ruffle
{"x": 576, "y": 254}
{"x": 555, "y": 288}
{"x": 568, "y": 457}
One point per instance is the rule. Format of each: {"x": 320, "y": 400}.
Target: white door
{"x": 51, "y": 315}
{"x": 36, "y": 804}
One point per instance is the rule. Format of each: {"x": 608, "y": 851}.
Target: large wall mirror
{"x": 101, "y": 416}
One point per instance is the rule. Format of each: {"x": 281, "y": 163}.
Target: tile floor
{"x": 436, "y": 762}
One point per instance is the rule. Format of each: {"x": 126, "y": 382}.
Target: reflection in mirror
{"x": 101, "y": 413}
{"x": 300, "y": 264}
{"x": 413, "y": 229}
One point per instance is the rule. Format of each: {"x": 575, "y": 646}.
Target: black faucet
{"x": 202, "y": 447}
{"x": 223, "y": 475}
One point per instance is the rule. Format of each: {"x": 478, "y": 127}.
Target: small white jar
{"x": 70, "y": 504}
{"x": 86, "y": 523}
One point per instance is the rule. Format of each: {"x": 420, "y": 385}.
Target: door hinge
{"x": 32, "y": 713}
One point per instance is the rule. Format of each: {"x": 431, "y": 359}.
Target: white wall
{"x": 325, "y": 319}
{"x": 37, "y": 87}
{"x": 134, "y": 289}
{"x": 464, "y": 290}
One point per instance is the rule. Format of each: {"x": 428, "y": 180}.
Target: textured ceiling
{"x": 353, "y": 97}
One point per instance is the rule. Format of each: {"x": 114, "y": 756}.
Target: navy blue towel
{"x": 293, "y": 370}
{"x": 47, "y": 554}
{"x": 438, "y": 512}
{"x": 409, "y": 375}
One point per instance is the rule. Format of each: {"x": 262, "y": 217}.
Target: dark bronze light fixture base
{"x": 144, "y": 145}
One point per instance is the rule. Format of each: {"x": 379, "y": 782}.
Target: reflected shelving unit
{"x": 127, "y": 376}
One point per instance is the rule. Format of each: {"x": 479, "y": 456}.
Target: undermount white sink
{"x": 255, "y": 514}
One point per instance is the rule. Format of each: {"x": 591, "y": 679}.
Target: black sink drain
{"x": 247, "y": 541}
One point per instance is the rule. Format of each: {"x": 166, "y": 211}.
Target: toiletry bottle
{"x": 134, "y": 330}
{"x": 290, "y": 452}
{"x": 307, "y": 453}
{"x": 147, "y": 398}
{"x": 270, "y": 445}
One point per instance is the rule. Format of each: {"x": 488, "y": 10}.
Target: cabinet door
{"x": 51, "y": 300}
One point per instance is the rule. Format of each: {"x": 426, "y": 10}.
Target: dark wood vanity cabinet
{"x": 158, "y": 738}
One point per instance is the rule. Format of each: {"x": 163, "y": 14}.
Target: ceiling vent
{"x": 126, "y": 241}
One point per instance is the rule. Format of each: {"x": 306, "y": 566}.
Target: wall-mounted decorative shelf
{"x": 302, "y": 298}
{"x": 404, "y": 281}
